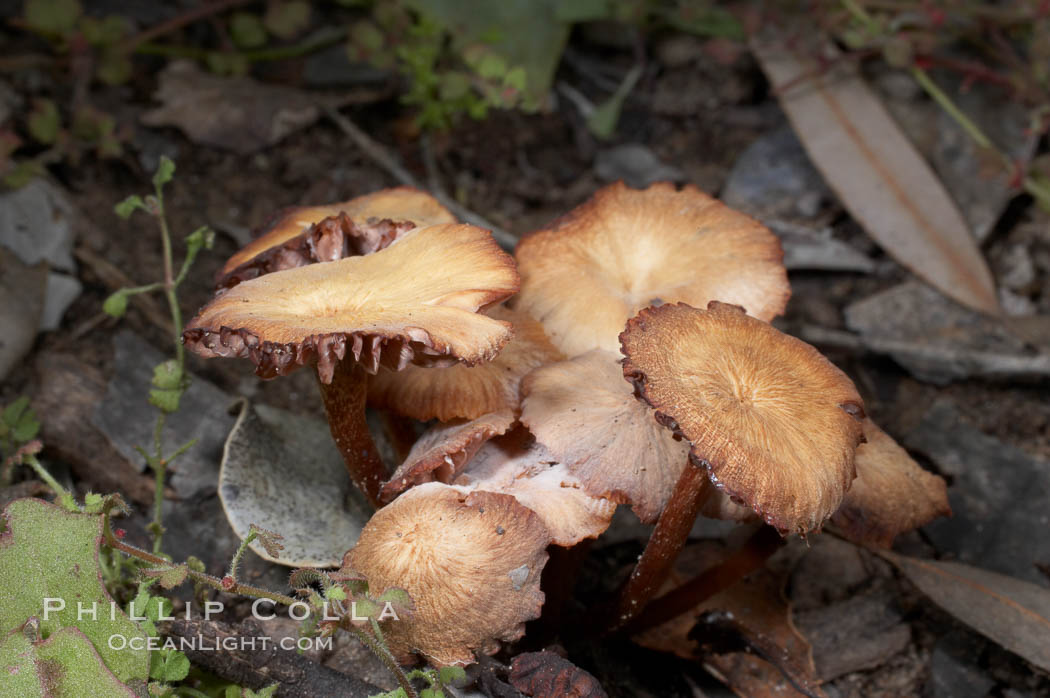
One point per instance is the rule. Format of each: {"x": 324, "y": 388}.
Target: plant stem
{"x": 236, "y": 561}
{"x": 243, "y": 589}
{"x": 50, "y": 481}
{"x": 388, "y": 660}
{"x": 667, "y": 540}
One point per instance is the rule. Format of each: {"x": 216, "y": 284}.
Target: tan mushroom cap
{"x": 585, "y": 413}
{"x": 517, "y": 465}
{"x": 775, "y": 423}
{"x": 396, "y": 204}
{"x": 892, "y": 493}
{"x": 468, "y": 391}
{"x": 444, "y": 449}
{"x": 414, "y": 301}
{"x": 626, "y": 249}
{"x": 470, "y": 562}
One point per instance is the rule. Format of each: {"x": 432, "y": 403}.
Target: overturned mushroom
{"x": 470, "y": 562}
{"x": 517, "y": 465}
{"x": 305, "y": 234}
{"x": 468, "y": 391}
{"x": 892, "y": 493}
{"x": 413, "y": 302}
{"x": 626, "y": 249}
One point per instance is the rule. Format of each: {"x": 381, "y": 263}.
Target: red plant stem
{"x": 344, "y": 402}
{"x": 668, "y": 539}
{"x": 742, "y": 562}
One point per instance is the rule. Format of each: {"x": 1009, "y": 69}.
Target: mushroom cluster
{"x": 631, "y": 362}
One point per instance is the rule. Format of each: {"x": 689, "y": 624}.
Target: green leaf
{"x": 14, "y": 412}
{"x": 166, "y": 400}
{"x": 201, "y": 238}
{"x": 52, "y": 16}
{"x": 65, "y": 664}
{"x": 224, "y": 63}
{"x": 129, "y": 205}
{"x": 247, "y": 30}
{"x": 267, "y": 692}
{"x": 515, "y": 78}
{"x": 44, "y": 121}
{"x": 49, "y": 553}
{"x": 93, "y": 503}
{"x": 431, "y": 692}
{"x": 287, "y": 19}
{"x": 396, "y": 693}
{"x": 117, "y": 304}
{"x": 165, "y": 171}
{"x": 398, "y": 598}
{"x": 167, "y": 374}
{"x": 168, "y": 577}
{"x": 114, "y": 66}
{"x": 491, "y": 66}
{"x": 451, "y": 674}
{"x": 23, "y": 173}
{"x": 336, "y": 593}
{"x": 602, "y": 121}
{"x": 169, "y": 665}
{"x": 105, "y": 31}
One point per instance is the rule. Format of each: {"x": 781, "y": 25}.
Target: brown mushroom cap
{"x": 775, "y": 423}
{"x": 584, "y": 412}
{"x": 470, "y": 562}
{"x": 442, "y": 451}
{"x": 892, "y": 493}
{"x": 414, "y": 301}
{"x": 468, "y": 391}
{"x": 516, "y": 464}
{"x": 626, "y": 249}
{"x": 397, "y": 204}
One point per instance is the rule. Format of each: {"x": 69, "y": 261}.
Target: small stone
{"x": 62, "y": 290}
{"x": 635, "y": 164}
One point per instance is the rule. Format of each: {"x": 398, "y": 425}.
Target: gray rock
{"x": 62, "y": 290}
{"x": 22, "y": 289}
{"x": 998, "y": 496}
{"x": 36, "y": 224}
{"x": 635, "y": 164}
{"x": 773, "y": 175}
{"x": 809, "y": 248}
{"x": 951, "y": 676}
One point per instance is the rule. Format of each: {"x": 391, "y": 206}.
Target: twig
{"x": 384, "y": 159}
{"x": 114, "y": 279}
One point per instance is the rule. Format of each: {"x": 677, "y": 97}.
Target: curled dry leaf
{"x": 625, "y": 249}
{"x": 873, "y": 168}
{"x": 362, "y": 225}
{"x": 442, "y": 451}
{"x": 547, "y": 675}
{"x": 1011, "y": 612}
{"x": 774, "y": 422}
{"x": 470, "y": 562}
{"x": 516, "y": 464}
{"x": 584, "y": 413}
{"x": 892, "y": 493}
{"x": 393, "y": 306}
{"x": 282, "y": 472}
{"x": 468, "y": 391}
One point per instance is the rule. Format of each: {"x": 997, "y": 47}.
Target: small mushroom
{"x": 444, "y": 449}
{"x": 585, "y": 414}
{"x": 367, "y": 224}
{"x": 468, "y": 391}
{"x": 471, "y": 563}
{"x": 625, "y": 249}
{"x": 413, "y": 302}
{"x": 516, "y": 464}
{"x": 892, "y": 493}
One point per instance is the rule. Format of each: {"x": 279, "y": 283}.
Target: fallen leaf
{"x": 1011, "y": 612}
{"x": 282, "y": 472}
{"x": 547, "y": 675}
{"x": 873, "y": 168}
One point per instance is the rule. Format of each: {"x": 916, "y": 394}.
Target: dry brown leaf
{"x": 1011, "y": 612}
{"x": 877, "y": 173}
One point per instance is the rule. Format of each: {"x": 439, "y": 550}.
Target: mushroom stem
{"x": 667, "y": 540}
{"x": 740, "y": 563}
{"x": 344, "y": 402}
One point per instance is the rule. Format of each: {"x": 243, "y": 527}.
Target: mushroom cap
{"x": 775, "y": 423}
{"x": 442, "y": 451}
{"x": 470, "y": 562}
{"x": 414, "y": 301}
{"x": 626, "y": 249}
{"x": 396, "y": 204}
{"x": 516, "y": 464}
{"x": 468, "y": 391}
{"x": 584, "y": 412}
{"x": 892, "y": 493}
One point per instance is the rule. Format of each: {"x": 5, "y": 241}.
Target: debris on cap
{"x": 584, "y": 412}
{"x": 627, "y": 249}
{"x": 517, "y": 465}
{"x": 468, "y": 391}
{"x": 892, "y": 493}
{"x": 442, "y": 451}
{"x": 413, "y": 302}
{"x": 367, "y": 223}
{"x": 470, "y": 562}
{"x": 774, "y": 422}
